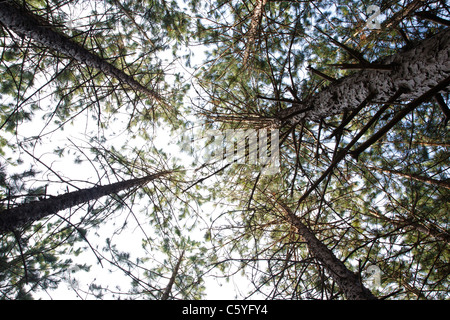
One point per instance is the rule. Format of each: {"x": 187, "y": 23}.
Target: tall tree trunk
{"x": 32, "y": 26}
{"x": 168, "y": 289}
{"x": 417, "y": 69}
{"x": 11, "y": 219}
{"x": 347, "y": 281}
{"x": 254, "y": 26}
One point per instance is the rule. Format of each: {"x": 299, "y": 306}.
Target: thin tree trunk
{"x": 402, "y": 14}
{"x": 414, "y": 224}
{"x": 254, "y": 26}
{"x": 11, "y": 219}
{"x": 168, "y": 289}
{"x": 431, "y": 17}
{"x": 392, "y": 22}
{"x": 430, "y": 181}
{"x": 32, "y": 26}
{"x": 423, "y": 143}
{"x": 431, "y": 230}
{"x": 417, "y": 70}
{"x": 348, "y": 281}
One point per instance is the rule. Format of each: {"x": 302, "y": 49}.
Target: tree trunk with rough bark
{"x": 29, "y": 25}
{"x": 347, "y": 281}
{"x": 417, "y": 70}
{"x": 20, "y": 216}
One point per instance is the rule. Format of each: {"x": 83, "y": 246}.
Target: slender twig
{"x": 355, "y": 54}
{"x": 25, "y": 269}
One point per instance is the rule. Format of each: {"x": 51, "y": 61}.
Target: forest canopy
{"x": 287, "y": 149}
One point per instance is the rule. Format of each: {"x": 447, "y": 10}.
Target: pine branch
{"x": 22, "y": 256}
{"x": 321, "y": 74}
{"x": 278, "y": 99}
{"x": 392, "y": 22}
{"x": 445, "y": 110}
{"x": 129, "y": 16}
{"x": 403, "y": 13}
{"x": 431, "y": 17}
{"x": 339, "y": 156}
{"x": 355, "y": 54}
{"x": 444, "y": 184}
{"x": 399, "y": 116}
{"x": 364, "y": 66}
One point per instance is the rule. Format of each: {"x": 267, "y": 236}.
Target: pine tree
{"x": 20, "y": 216}
{"x": 404, "y": 70}
{"x": 26, "y": 24}
{"x": 361, "y": 113}
{"x": 339, "y": 93}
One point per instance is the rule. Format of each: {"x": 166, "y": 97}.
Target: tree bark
{"x": 431, "y": 17}
{"x": 20, "y": 216}
{"x": 427, "y": 180}
{"x": 29, "y": 25}
{"x": 168, "y": 289}
{"x": 413, "y": 223}
{"x": 402, "y": 14}
{"x": 392, "y": 22}
{"x": 417, "y": 69}
{"x": 348, "y": 281}
{"x": 400, "y": 115}
{"x": 254, "y": 25}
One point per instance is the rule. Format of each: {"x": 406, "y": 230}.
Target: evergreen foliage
{"x": 96, "y": 92}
